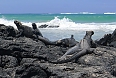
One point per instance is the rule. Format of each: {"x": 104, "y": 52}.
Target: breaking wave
{"x": 66, "y": 24}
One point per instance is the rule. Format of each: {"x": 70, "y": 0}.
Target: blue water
{"x": 79, "y": 18}
{"x": 76, "y": 24}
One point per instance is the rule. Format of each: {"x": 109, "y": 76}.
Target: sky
{"x": 57, "y": 6}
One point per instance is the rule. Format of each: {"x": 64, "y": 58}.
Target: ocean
{"x": 69, "y": 24}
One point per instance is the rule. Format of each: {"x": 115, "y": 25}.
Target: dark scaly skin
{"x": 24, "y": 30}
{"x": 67, "y": 42}
{"x": 46, "y": 41}
{"x": 36, "y": 30}
{"x": 84, "y": 47}
{"x": 40, "y": 36}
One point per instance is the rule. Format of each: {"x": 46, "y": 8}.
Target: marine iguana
{"x": 36, "y": 30}
{"x": 85, "y": 46}
{"x": 67, "y": 42}
{"x": 46, "y": 41}
{"x": 24, "y": 30}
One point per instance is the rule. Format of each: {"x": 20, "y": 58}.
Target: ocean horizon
{"x": 69, "y": 23}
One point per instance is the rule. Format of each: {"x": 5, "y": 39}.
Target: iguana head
{"x": 34, "y": 26}
{"x": 72, "y": 36}
{"x": 17, "y": 23}
{"x": 89, "y": 33}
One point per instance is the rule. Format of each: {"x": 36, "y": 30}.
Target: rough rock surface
{"x": 25, "y": 58}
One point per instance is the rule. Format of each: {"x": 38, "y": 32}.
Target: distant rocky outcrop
{"x": 108, "y": 39}
{"x": 47, "y": 26}
{"x": 22, "y": 57}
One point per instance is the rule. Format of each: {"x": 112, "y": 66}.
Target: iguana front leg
{"x": 20, "y": 33}
{"x": 70, "y": 51}
{"x": 75, "y": 56}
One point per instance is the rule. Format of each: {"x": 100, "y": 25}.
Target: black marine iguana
{"x": 24, "y": 30}
{"x": 36, "y": 30}
{"x": 85, "y": 46}
{"x": 40, "y": 36}
{"x": 67, "y": 42}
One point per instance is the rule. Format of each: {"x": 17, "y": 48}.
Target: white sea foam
{"x": 11, "y": 22}
{"x": 90, "y": 13}
{"x": 69, "y": 13}
{"x": 86, "y": 13}
{"x": 66, "y": 24}
{"x": 109, "y": 13}
{"x": 79, "y": 13}
{"x": 7, "y": 22}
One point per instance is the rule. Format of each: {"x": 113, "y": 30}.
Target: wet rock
{"x": 43, "y": 26}
{"x": 8, "y": 31}
{"x": 8, "y": 61}
{"x": 2, "y": 25}
{"x": 53, "y": 26}
{"x": 108, "y": 40}
{"x": 47, "y": 26}
{"x": 30, "y": 71}
{"x": 104, "y": 40}
{"x": 99, "y": 58}
{"x": 113, "y": 70}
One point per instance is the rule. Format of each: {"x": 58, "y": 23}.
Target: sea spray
{"x": 66, "y": 24}
{"x": 69, "y": 24}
